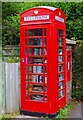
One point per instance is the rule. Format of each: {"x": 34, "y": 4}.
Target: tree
{"x": 11, "y": 19}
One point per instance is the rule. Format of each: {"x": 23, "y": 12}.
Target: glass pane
{"x": 37, "y": 69}
{"x": 45, "y": 60}
{"x": 45, "y": 42}
{"x": 34, "y": 51}
{"x": 35, "y": 32}
{"x": 37, "y": 97}
{"x": 38, "y": 60}
{"x": 60, "y": 85}
{"x": 45, "y": 71}
{"x": 45, "y": 51}
{"x": 30, "y": 60}
{"x": 38, "y": 88}
{"x": 60, "y": 68}
{"x": 34, "y": 41}
{"x": 26, "y": 68}
{"x": 37, "y": 51}
{"x": 61, "y": 77}
{"x": 26, "y": 77}
{"x": 30, "y": 51}
{"x": 61, "y": 93}
{"x": 27, "y": 87}
{"x": 36, "y": 78}
{"x": 45, "y": 79}
{"x": 60, "y": 32}
{"x": 26, "y": 95}
{"x": 44, "y": 31}
{"x": 60, "y": 51}
{"x": 60, "y": 59}
{"x": 60, "y": 41}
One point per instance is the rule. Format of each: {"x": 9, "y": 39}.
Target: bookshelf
{"x": 36, "y": 64}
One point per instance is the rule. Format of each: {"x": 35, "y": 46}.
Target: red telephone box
{"x": 43, "y": 60}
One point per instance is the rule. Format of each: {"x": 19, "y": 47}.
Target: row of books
{"x": 39, "y": 88}
{"x": 38, "y": 78}
{"x": 36, "y": 41}
{"x": 38, "y": 97}
{"x": 37, "y": 51}
{"x": 35, "y": 60}
{"x": 38, "y": 69}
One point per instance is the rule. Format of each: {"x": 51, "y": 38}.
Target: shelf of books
{"x": 36, "y": 64}
{"x": 60, "y": 63}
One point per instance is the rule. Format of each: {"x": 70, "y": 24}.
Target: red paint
{"x": 48, "y": 101}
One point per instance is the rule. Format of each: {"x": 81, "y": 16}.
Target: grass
{"x": 8, "y": 116}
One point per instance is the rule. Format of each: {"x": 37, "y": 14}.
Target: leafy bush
{"x": 11, "y": 19}
{"x": 12, "y": 59}
{"x": 78, "y": 71}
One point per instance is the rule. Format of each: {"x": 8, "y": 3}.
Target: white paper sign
{"x": 59, "y": 19}
{"x": 32, "y": 18}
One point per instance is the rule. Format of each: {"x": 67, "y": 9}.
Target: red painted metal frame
{"x": 53, "y": 104}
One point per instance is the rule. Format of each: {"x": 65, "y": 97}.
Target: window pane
{"x": 34, "y": 51}
{"x": 45, "y": 41}
{"x": 45, "y": 51}
{"x": 60, "y": 32}
{"x": 60, "y": 59}
{"x": 60, "y": 51}
{"x": 44, "y": 31}
{"x": 61, "y": 77}
{"x": 36, "y": 78}
{"x": 61, "y": 94}
{"x": 35, "y": 32}
{"x": 60, "y": 41}
{"x": 60, "y": 68}
{"x": 37, "y": 51}
{"x": 34, "y": 41}
{"x": 37, "y": 97}
{"x": 60, "y": 85}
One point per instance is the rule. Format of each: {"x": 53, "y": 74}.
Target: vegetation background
{"x": 74, "y": 22}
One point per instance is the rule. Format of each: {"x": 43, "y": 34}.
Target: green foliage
{"x": 11, "y": 19}
{"x": 78, "y": 71}
{"x": 65, "y": 111}
{"x": 12, "y": 59}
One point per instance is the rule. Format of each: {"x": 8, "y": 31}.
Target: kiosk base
{"x": 36, "y": 114}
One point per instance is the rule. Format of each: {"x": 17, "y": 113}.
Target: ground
{"x": 76, "y": 112}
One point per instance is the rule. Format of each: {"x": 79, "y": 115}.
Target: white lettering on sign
{"x": 31, "y": 18}
{"x": 59, "y": 18}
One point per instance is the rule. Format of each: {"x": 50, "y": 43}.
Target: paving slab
{"x": 76, "y": 112}
{"x": 26, "y": 117}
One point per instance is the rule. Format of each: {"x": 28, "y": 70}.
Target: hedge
{"x": 77, "y": 82}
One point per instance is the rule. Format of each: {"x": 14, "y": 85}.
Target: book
{"x": 37, "y": 51}
{"x": 45, "y": 79}
{"x": 39, "y": 69}
{"x": 40, "y": 78}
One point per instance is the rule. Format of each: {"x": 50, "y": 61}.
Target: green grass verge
{"x": 64, "y": 113}
{"x": 8, "y": 116}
